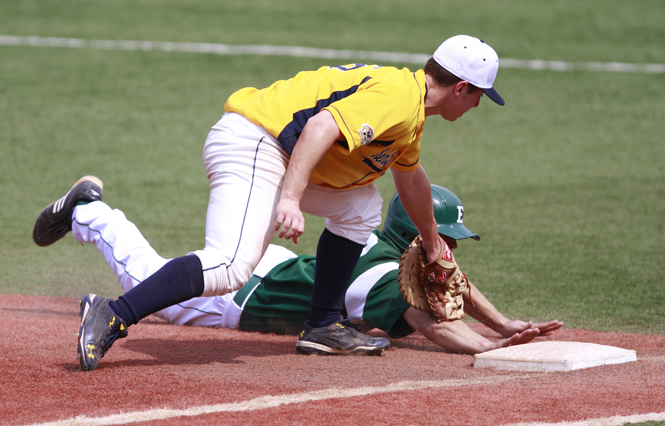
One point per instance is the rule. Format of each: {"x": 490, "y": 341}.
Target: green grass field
{"x": 565, "y": 184}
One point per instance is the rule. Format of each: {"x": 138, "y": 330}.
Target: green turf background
{"x": 565, "y": 184}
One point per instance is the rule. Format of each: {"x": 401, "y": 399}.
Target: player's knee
{"x": 220, "y": 276}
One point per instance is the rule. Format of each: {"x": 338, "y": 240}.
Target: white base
{"x": 553, "y": 356}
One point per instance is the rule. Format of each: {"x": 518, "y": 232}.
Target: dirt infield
{"x": 174, "y": 375}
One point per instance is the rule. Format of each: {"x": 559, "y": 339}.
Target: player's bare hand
{"x": 436, "y": 248}
{"x": 544, "y": 328}
{"x": 525, "y": 336}
{"x": 547, "y": 328}
{"x": 290, "y": 219}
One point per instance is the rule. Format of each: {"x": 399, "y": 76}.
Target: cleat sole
{"x": 313, "y": 349}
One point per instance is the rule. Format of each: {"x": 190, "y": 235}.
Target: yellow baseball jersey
{"x": 379, "y": 110}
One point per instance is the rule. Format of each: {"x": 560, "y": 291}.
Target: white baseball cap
{"x": 472, "y": 60}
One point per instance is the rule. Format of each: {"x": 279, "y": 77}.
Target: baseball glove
{"x": 436, "y": 287}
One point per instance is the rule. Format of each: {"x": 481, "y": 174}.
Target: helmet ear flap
{"x": 398, "y": 226}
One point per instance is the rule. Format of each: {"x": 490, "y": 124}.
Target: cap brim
{"x": 494, "y": 95}
{"x": 457, "y": 231}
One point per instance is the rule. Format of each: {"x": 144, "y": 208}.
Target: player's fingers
{"x": 278, "y": 222}
{"x": 298, "y": 231}
{"x": 548, "y": 327}
{"x": 526, "y": 336}
{"x": 286, "y": 228}
{"x": 296, "y": 228}
{"x": 287, "y": 231}
{"x": 285, "y": 221}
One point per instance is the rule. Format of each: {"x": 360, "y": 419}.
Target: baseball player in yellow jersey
{"x": 368, "y": 143}
{"x": 314, "y": 143}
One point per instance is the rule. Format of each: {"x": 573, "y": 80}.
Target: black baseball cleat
{"x": 340, "y": 338}
{"x": 100, "y": 327}
{"x": 55, "y": 220}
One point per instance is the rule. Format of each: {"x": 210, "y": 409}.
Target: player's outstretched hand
{"x": 516, "y": 339}
{"x": 290, "y": 219}
{"x": 547, "y": 328}
{"x": 544, "y": 328}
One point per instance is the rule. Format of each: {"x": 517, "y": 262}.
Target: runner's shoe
{"x": 55, "y": 220}
{"x": 100, "y": 327}
{"x": 340, "y": 338}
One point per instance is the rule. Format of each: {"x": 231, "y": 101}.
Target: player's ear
{"x": 461, "y": 87}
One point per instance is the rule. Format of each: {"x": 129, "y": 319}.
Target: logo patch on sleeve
{"x": 366, "y": 134}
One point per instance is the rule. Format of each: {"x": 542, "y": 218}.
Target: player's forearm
{"x": 454, "y": 336}
{"x": 317, "y": 137}
{"x": 415, "y": 194}
{"x": 479, "y": 308}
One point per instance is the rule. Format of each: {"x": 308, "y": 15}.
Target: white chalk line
{"x": 310, "y": 52}
{"x": 607, "y": 421}
{"x": 264, "y": 402}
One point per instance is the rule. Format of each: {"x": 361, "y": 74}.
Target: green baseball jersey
{"x": 280, "y": 301}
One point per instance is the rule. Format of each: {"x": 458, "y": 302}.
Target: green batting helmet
{"x": 448, "y": 212}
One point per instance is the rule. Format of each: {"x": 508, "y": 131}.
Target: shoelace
{"x": 354, "y": 328}
{"x": 347, "y": 323}
{"x": 110, "y": 339}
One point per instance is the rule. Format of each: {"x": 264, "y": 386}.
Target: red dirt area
{"x": 164, "y": 374}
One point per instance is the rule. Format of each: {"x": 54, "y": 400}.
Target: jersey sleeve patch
{"x": 366, "y": 134}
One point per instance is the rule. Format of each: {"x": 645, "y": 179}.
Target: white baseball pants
{"x": 246, "y": 168}
{"x": 132, "y": 259}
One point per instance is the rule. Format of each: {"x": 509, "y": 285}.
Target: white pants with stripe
{"x": 246, "y": 168}
{"x": 132, "y": 259}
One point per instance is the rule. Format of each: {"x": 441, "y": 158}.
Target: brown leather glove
{"x": 435, "y": 287}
